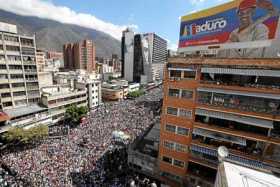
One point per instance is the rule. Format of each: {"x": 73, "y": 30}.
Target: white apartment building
{"x": 18, "y": 69}
{"x": 93, "y": 88}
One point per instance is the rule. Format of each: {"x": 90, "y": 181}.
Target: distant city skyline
{"x": 111, "y": 17}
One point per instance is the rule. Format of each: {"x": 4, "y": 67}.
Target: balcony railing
{"x": 17, "y": 89}
{"x": 31, "y": 80}
{"x": 3, "y": 71}
{"x": 14, "y": 62}
{"x": 17, "y": 80}
{"x": 16, "y": 71}
{"x": 24, "y": 44}
{"x": 246, "y": 150}
{"x": 33, "y": 95}
{"x": 2, "y": 80}
{"x": 29, "y": 62}
{"x": 205, "y": 154}
{"x": 242, "y": 103}
{"x": 32, "y": 87}
{"x": 5, "y": 90}
{"x": 249, "y": 85}
{"x": 212, "y": 152}
{"x": 72, "y": 101}
{"x": 31, "y": 70}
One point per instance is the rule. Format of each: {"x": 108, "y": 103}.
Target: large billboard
{"x": 234, "y": 25}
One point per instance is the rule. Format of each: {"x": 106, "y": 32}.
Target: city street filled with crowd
{"x": 57, "y": 159}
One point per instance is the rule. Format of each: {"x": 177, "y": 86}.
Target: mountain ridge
{"x": 51, "y": 35}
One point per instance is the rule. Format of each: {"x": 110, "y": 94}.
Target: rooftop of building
{"x": 240, "y": 176}
{"x": 24, "y": 110}
{"x": 111, "y": 87}
{"x": 58, "y": 90}
{"x": 148, "y": 144}
{"x": 260, "y": 62}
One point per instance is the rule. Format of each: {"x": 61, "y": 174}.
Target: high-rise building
{"x": 54, "y": 55}
{"x": 155, "y": 56}
{"x": 128, "y": 55}
{"x": 144, "y": 56}
{"x": 218, "y": 102}
{"x": 80, "y": 56}
{"x": 18, "y": 69}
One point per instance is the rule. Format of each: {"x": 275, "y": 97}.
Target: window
{"x": 178, "y": 163}
{"x": 174, "y": 92}
{"x": 3, "y": 67}
{"x": 4, "y": 95}
{"x": 189, "y": 74}
{"x": 168, "y": 145}
{"x": 177, "y": 130}
{"x": 19, "y": 93}
{"x": 187, "y": 94}
{"x": 8, "y": 104}
{"x": 167, "y": 159}
{"x": 3, "y": 76}
{"x": 170, "y": 128}
{"x": 181, "y": 148}
{"x": 175, "y": 74}
{"x": 15, "y": 67}
{"x": 182, "y": 131}
{"x": 172, "y": 111}
{"x": 185, "y": 113}
{"x": 17, "y": 76}
{"x": 4, "y": 86}
{"x": 12, "y": 48}
{"x": 16, "y": 85}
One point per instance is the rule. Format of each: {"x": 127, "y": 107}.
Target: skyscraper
{"x": 155, "y": 56}
{"x": 128, "y": 55}
{"x": 143, "y": 56}
{"x": 80, "y": 56}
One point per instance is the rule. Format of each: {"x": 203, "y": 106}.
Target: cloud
{"x": 196, "y": 2}
{"x": 48, "y": 10}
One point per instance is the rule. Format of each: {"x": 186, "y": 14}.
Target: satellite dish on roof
{"x": 222, "y": 153}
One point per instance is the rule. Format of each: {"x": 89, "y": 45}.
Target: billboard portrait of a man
{"x": 250, "y": 30}
{"x": 239, "y": 28}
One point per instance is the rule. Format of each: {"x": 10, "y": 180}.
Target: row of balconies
{"x": 72, "y": 101}
{"x": 253, "y": 83}
{"x": 17, "y": 62}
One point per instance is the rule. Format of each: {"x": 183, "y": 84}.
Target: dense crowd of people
{"x": 57, "y": 161}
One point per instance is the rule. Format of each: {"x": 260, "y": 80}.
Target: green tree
{"x": 19, "y": 135}
{"x": 74, "y": 113}
{"x": 136, "y": 93}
